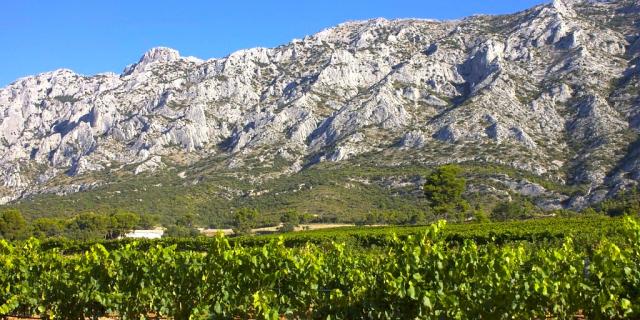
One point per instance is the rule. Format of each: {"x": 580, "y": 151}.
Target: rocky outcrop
{"x": 413, "y": 139}
{"x": 552, "y": 90}
{"x": 155, "y": 55}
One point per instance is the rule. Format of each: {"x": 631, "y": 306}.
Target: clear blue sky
{"x": 92, "y": 36}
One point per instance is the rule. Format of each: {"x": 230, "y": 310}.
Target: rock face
{"x": 553, "y": 90}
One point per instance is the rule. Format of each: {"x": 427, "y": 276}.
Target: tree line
{"x": 92, "y": 225}
{"x": 84, "y": 226}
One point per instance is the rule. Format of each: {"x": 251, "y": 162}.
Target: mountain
{"x": 544, "y": 102}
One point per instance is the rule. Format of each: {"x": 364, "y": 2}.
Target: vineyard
{"x": 423, "y": 275}
{"x": 584, "y": 230}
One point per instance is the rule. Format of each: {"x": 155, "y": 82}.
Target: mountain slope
{"x": 552, "y": 92}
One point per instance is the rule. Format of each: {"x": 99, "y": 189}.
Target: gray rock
{"x": 413, "y": 139}
{"x": 448, "y": 134}
{"x": 151, "y": 165}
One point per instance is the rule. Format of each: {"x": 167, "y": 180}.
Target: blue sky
{"x": 91, "y": 36}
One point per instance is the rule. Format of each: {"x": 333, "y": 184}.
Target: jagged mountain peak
{"x": 156, "y": 55}
{"x": 159, "y": 54}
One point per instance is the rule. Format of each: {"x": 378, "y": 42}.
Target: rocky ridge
{"x": 553, "y": 90}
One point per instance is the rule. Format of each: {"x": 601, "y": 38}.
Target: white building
{"x": 145, "y": 234}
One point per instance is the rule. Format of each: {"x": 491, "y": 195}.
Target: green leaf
{"x": 427, "y": 302}
{"x": 411, "y": 292}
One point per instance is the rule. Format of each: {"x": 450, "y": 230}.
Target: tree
{"x": 147, "y": 221}
{"x": 516, "y": 209}
{"x": 183, "y": 228}
{"x": 121, "y": 223}
{"x": 290, "y": 220}
{"x": 244, "y": 220}
{"x": 480, "y": 216}
{"x": 626, "y": 202}
{"x": 589, "y": 211}
{"x": 177, "y": 231}
{"x": 186, "y": 220}
{"x": 373, "y": 217}
{"x": 88, "y": 225}
{"x": 443, "y": 189}
{"x": 47, "y": 228}
{"x": 417, "y": 218}
{"x": 12, "y": 225}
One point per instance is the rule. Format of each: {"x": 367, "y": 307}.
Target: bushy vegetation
{"x": 183, "y": 227}
{"x": 517, "y": 209}
{"x": 331, "y": 192}
{"x": 290, "y": 220}
{"x": 244, "y": 220}
{"x": 442, "y": 196}
{"x": 12, "y": 225}
{"x": 84, "y": 226}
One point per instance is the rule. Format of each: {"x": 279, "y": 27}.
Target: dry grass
{"x": 302, "y": 227}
